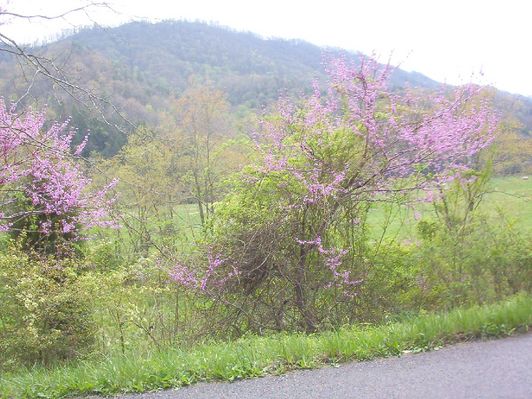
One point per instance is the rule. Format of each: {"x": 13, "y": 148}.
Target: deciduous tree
{"x": 290, "y": 245}
{"x": 45, "y": 195}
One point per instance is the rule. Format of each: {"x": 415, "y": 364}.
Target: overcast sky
{"x": 447, "y": 40}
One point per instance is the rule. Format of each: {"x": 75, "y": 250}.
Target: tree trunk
{"x": 301, "y": 303}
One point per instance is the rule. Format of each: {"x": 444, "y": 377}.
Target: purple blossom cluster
{"x": 213, "y": 277}
{"x": 40, "y": 167}
{"x": 400, "y": 135}
{"x": 333, "y": 260}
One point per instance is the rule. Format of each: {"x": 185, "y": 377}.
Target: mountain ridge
{"x": 142, "y": 67}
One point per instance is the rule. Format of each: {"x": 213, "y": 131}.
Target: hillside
{"x": 143, "y": 67}
{"x": 251, "y": 69}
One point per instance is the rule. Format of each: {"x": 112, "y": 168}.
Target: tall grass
{"x": 256, "y": 356}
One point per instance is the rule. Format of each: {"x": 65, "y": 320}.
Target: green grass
{"x": 513, "y": 196}
{"x": 509, "y": 196}
{"x": 257, "y": 356}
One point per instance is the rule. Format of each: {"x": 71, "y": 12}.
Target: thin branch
{"x": 50, "y": 17}
{"x": 49, "y": 70}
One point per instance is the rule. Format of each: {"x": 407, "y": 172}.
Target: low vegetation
{"x": 254, "y": 356}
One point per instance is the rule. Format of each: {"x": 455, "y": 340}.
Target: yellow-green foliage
{"x": 45, "y": 314}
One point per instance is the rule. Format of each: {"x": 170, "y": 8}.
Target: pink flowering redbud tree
{"x": 289, "y": 246}
{"x": 45, "y": 197}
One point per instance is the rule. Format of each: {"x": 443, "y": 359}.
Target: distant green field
{"x": 510, "y": 197}
{"x": 513, "y": 196}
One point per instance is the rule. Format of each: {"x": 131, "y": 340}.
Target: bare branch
{"x": 51, "y": 17}
{"x": 47, "y": 68}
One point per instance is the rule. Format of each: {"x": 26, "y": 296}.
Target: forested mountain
{"x": 250, "y": 69}
{"x": 142, "y": 68}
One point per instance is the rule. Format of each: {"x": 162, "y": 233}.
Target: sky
{"x": 451, "y": 41}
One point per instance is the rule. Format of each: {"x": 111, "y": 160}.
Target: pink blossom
{"x": 39, "y": 164}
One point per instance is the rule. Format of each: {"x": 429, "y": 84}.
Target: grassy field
{"x": 513, "y": 196}
{"x": 258, "y": 356}
{"x": 507, "y": 197}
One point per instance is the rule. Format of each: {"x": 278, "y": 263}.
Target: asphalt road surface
{"x": 488, "y": 369}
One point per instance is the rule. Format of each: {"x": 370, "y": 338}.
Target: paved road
{"x": 489, "y": 369}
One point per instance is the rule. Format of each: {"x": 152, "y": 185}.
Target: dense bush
{"x": 46, "y": 314}
{"x": 289, "y": 246}
{"x": 488, "y": 263}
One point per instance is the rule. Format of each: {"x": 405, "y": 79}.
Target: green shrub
{"x": 488, "y": 263}
{"x": 45, "y": 315}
